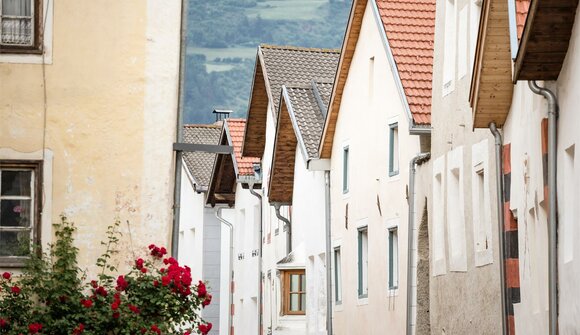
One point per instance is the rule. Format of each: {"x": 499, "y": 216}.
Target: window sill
{"x": 362, "y": 300}
{"x": 338, "y": 306}
{"x": 393, "y": 292}
{"x": 19, "y": 51}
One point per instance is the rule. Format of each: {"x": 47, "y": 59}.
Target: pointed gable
{"x": 410, "y": 29}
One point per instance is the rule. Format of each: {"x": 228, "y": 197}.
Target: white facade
{"x": 375, "y": 198}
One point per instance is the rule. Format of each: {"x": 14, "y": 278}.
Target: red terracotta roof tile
{"x": 410, "y": 29}
{"x": 236, "y": 128}
{"x": 522, "y": 7}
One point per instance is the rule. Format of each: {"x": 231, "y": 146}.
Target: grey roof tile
{"x": 309, "y": 114}
{"x": 200, "y": 164}
{"x": 297, "y": 66}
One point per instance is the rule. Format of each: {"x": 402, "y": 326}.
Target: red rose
{"x": 144, "y": 270}
{"x": 155, "y": 283}
{"x": 165, "y": 280}
{"x": 94, "y": 284}
{"x": 15, "y": 290}
{"x": 151, "y": 246}
{"x": 6, "y": 275}
{"x": 155, "y": 329}
{"x": 101, "y": 291}
{"x": 201, "y": 289}
{"x": 134, "y": 309}
{"x": 115, "y": 305}
{"x": 79, "y": 329}
{"x": 87, "y": 303}
{"x": 116, "y": 315}
{"x": 139, "y": 263}
{"x": 206, "y": 301}
{"x": 34, "y": 328}
{"x": 3, "y": 323}
{"x": 121, "y": 283}
{"x": 204, "y": 329}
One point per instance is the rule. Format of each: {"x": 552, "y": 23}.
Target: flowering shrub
{"x": 53, "y": 295}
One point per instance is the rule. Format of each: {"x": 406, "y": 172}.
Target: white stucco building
{"x": 378, "y": 121}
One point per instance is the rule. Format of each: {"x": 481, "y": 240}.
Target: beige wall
{"x": 369, "y": 104}
{"x": 109, "y": 122}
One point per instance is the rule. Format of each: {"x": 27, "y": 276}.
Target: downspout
{"x": 288, "y": 227}
{"x": 552, "y": 216}
{"x": 260, "y": 261}
{"x": 179, "y": 133}
{"x": 417, "y": 160}
{"x": 218, "y": 215}
{"x": 501, "y": 221}
{"x": 328, "y": 253}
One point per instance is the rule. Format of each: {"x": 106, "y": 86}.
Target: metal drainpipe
{"x": 179, "y": 134}
{"x": 218, "y": 215}
{"x": 288, "y": 226}
{"x": 417, "y": 160}
{"x": 500, "y": 217}
{"x": 328, "y": 253}
{"x": 552, "y": 216}
{"x": 260, "y": 317}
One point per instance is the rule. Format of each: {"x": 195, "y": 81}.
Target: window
{"x": 393, "y": 149}
{"x": 393, "y": 258}
{"x": 482, "y": 231}
{"x": 455, "y": 211}
{"x": 363, "y": 262}
{"x": 345, "y": 158}
{"x": 19, "y": 210}
{"x": 439, "y": 262}
{"x": 449, "y": 54}
{"x": 19, "y": 25}
{"x": 337, "y": 276}
{"x": 294, "y": 292}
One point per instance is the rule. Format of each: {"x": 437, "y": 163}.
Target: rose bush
{"x": 53, "y": 295}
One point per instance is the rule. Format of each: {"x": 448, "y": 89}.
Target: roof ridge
{"x": 297, "y": 48}
{"x": 195, "y": 125}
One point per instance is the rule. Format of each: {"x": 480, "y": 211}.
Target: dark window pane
{"x": 15, "y": 243}
{"x": 16, "y": 182}
{"x": 15, "y": 213}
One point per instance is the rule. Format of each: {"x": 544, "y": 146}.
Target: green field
{"x": 287, "y": 10}
{"x": 213, "y": 53}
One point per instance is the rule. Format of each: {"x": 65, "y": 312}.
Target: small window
{"x": 337, "y": 276}
{"x": 393, "y": 259}
{"x": 294, "y": 289}
{"x": 345, "y": 164}
{"x": 19, "y": 211}
{"x": 19, "y": 25}
{"x": 393, "y": 149}
{"x": 363, "y": 262}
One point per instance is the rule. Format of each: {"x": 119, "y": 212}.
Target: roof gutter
{"x": 414, "y": 129}
{"x": 218, "y": 215}
{"x": 501, "y": 220}
{"x": 260, "y": 260}
{"x": 287, "y": 227}
{"x": 552, "y": 215}
{"x": 411, "y": 261}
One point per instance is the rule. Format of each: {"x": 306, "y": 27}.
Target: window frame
{"x": 362, "y": 288}
{"x": 37, "y": 36}
{"x": 286, "y": 275}
{"x": 393, "y": 262}
{"x": 345, "y": 169}
{"x": 337, "y": 257}
{"x": 36, "y": 167}
{"x": 393, "y": 127}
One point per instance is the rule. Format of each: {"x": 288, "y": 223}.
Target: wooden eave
{"x": 281, "y": 185}
{"x": 347, "y": 52}
{"x": 545, "y": 39}
{"x": 491, "y": 86}
{"x": 222, "y": 186}
{"x": 255, "y": 132}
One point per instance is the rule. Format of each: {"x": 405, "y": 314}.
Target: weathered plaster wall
{"x": 111, "y": 100}
{"x": 370, "y": 103}
{"x": 465, "y": 298}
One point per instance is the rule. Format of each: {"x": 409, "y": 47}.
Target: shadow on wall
{"x": 423, "y": 319}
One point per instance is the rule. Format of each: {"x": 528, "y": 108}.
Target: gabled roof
{"x": 200, "y": 164}
{"x": 408, "y": 28}
{"x": 300, "y": 124}
{"x": 227, "y": 169}
{"x": 276, "y": 66}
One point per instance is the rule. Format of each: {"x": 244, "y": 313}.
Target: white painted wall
{"x": 370, "y": 103}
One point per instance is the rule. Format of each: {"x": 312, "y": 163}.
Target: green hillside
{"x": 222, "y": 40}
